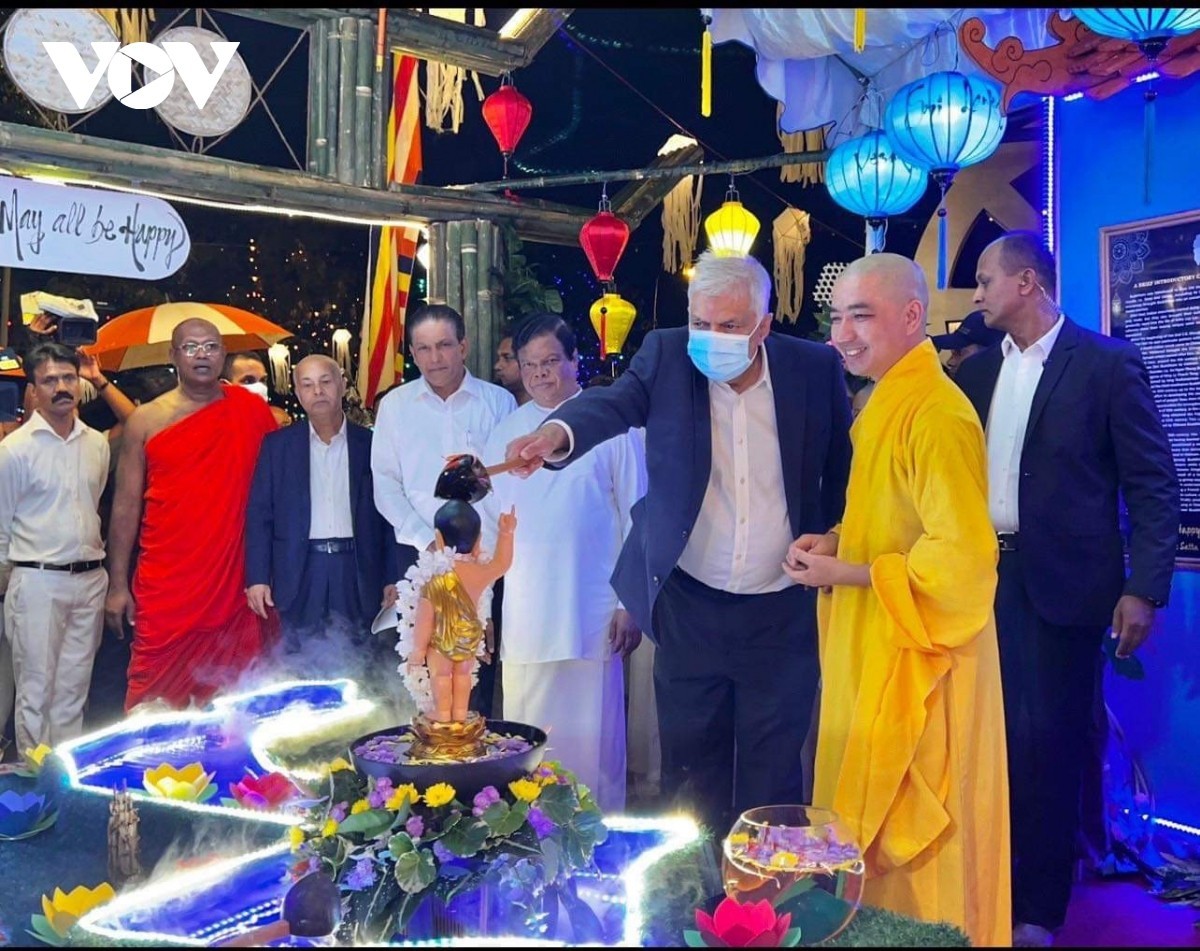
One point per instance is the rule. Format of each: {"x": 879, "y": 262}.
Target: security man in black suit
{"x": 1071, "y": 428}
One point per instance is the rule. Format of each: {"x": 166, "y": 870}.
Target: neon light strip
{"x": 681, "y": 832}
{"x": 1050, "y": 196}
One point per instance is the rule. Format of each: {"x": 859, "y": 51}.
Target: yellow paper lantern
{"x": 731, "y": 229}
{"x": 612, "y": 317}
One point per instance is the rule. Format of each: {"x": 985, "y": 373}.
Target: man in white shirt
{"x": 747, "y": 447}
{"x": 316, "y": 548}
{"x": 1072, "y": 429}
{"x": 52, "y": 473}
{"x": 445, "y": 412}
{"x": 566, "y": 634}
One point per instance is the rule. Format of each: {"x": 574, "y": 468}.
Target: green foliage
{"x": 524, "y": 294}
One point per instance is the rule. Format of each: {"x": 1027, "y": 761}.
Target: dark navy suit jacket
{"x": 279, "y": 514}
{"x": 1093, "y": 432}
{"x": 666, "y": 394}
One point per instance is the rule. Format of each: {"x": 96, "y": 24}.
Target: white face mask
{"x": 258, "y": 386}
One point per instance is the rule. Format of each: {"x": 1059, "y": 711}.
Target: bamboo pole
{"x": 435, "y": 279}
{"x": 380, "y": 96}
{"x": 333, "y": 66}
{"x": 500, "y": 317}
{"x": 318, "y": 84}
{"x": 348, "y": 27}
{"x": 453, "y": 283}
{"x": 310, "y": 153}
{"x": 486, "y": 345}
{"x": 364, "y": 110}
{"x": 732, "y": 167}
{"x": 470, "y": 293}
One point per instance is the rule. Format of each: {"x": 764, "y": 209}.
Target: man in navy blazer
{"x": 1071, "y": 428}
{"x": 316, "y": 548}
{"x": 747, "y": 448}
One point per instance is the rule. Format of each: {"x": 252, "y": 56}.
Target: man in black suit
{"x": 747, "y": 448}
{"x": 316, "y": 548}
{"x": 1071, "y": 428}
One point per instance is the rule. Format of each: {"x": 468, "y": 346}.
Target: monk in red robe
{"x": 183, "y": 480}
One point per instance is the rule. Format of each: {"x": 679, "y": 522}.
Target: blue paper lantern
{"x": 866, "y": 176}
{"x": 1150, "y": 28}
{"x": 945, "y": 121}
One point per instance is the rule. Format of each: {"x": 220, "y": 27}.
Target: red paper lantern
{"x": 603, "y": 240}
{"x": 507, "y": 114}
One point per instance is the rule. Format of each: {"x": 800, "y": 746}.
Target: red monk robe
{"x": 194, "y": 631}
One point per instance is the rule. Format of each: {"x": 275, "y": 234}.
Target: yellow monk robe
{"x": 911, "y": 750}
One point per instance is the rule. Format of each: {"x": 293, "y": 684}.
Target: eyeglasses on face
{"x": 551, "y": 364}
{"x": 190, "y": 349}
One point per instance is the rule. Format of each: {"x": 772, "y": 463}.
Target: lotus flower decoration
{"x": 64, "y": 909}
{"x": 734, "y": 925}
{"x": 23, "y": 814}
{"x": 267, "y": 792}
{"x": 188, "y": 783}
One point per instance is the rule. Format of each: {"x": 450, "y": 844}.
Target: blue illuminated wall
{"x": 1099, "y": 182}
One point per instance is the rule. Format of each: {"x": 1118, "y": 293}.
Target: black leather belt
{"x": 1009, "y": 541}
{"x": 330, "y": 546}
{"x": 75, "y": 567}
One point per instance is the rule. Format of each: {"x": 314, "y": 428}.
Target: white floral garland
{"x": 429, "y": 565}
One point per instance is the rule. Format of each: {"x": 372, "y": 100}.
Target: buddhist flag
{"x": 381, "y": 357}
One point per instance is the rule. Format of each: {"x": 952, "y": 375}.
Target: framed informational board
{"x": 1150, "y": 293}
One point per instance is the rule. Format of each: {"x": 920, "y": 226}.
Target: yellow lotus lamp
{"x": 62, "y": 910}
{"x": 187, "y": 783}
{"x": 731, "y": 229}
{"x": 612, "y": 317}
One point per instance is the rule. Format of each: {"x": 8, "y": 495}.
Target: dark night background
{"x": 607, "y": 91}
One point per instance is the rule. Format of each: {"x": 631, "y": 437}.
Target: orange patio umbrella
{"x": 141, "y": 338}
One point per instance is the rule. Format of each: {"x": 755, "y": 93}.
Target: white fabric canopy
{"x": 801, "y": 54}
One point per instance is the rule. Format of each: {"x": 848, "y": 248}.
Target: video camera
{"x": 77, "y": 319}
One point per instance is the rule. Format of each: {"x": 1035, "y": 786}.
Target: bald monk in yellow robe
{"x": 910, "y": 748}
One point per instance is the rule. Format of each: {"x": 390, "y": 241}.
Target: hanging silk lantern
{"x": 603, "y": 239}
{"x": 867, "y": 177}
{"x": 1151, "y": 28}
{"x": 731, "y": 229}
{"x": 507, "y": 114}
{"x": 944, "y": 122}
{"x": 280, "y": 358}
{"x": 612, "y": 317}
{"x": 340, "y": 344}
{"x": 790, "y": 234}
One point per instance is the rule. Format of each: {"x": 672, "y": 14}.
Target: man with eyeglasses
{"x": 190, "y": 455}
{"x": 565, "y": 632}
{"x": 446, "y": 411}
{"x": 52, "y": 473}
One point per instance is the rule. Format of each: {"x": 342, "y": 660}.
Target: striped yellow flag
{"x": 381, "y": 356}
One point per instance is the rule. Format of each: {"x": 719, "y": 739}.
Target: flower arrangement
{"x": 392, "y": 848}
{"x": 62, "y": 910}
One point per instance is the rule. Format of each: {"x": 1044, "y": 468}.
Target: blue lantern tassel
{"x": 1148, "y": 142}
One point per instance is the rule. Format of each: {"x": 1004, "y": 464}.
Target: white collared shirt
{"x": 415, "y": 430}
{"x": 329, "y": 485}
{"x": 571, "y": 524}
{"x": 1008, "y": 420}
{"x": 50, "y": 488}
{"x": 742, "y": 533}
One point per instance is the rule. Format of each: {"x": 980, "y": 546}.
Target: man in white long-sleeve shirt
{"x": 52, "y": 472}
{"x": 444, "y": 412}
{"x": 565, "y": 633}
